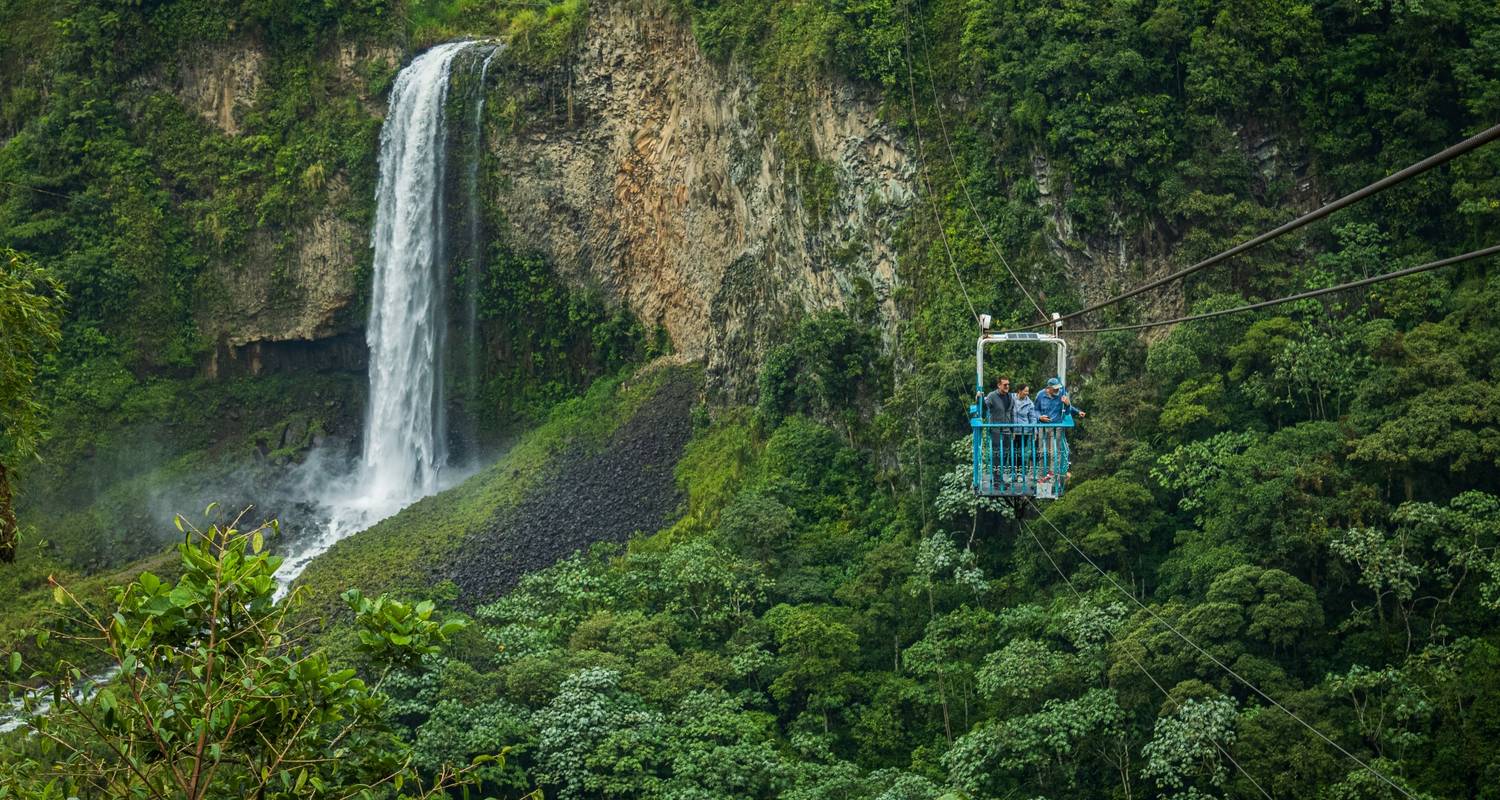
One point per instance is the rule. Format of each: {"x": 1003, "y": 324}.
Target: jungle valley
{"x": 572, "y": 399}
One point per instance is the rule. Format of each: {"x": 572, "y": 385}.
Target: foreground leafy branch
{"x": 30, "y": 329}
{"x": 213, "y": 691}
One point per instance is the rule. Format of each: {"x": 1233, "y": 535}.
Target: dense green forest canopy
{"x": 1306, "y": 496}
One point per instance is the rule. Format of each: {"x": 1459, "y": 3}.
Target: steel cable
{"x": 1227, "y": 669}
{"x": 1437, "y": 159}
{"x": 926, "y": 181}
{"x": 1400, "y": 273}
{"x": 963, "y": 184}
{"x": 1133, "y": 659}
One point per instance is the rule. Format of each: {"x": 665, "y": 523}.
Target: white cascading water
{"x": 405, "y": 437}
{"x": 405, "y": 432}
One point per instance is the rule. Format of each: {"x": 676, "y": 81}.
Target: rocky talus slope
{"x": 589, "y": 494}
{"x": 601, "y": 469}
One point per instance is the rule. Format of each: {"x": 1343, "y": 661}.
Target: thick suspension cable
{"x": 1227, "y": 669}
{"x": 926, "y": 181}
{"x": 937, "y": 100}
{"x": 1400, "y": 273}
{"x": 1437, "y": 159}
{"x": 1133, "y": 659}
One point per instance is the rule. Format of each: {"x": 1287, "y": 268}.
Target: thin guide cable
{"x": 963, "y": 184}
{"x": 1134, "y": 660}
{"x": 1227, "y": 669}
{"x": 1400, "y": 273}
{"x": 36, "y": 189}
{"x": 926, "y": 182}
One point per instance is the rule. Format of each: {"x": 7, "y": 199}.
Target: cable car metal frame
{"x": 1033, "y": 457}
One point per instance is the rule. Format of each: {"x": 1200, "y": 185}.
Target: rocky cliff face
{"x": 652, "y": 175}
{"x": 1106, "y": 261}
{"x": 288, "y": 301}
{"x": 660, "y": 184}
{"x": 285, "y": 302}
{"x": 220, "y": 83}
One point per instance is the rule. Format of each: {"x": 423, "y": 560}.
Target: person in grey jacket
{"x": 1023, "y": 443}
{"x": 999, "y": 409}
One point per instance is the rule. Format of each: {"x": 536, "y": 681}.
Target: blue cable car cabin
{"x": 1018, "y": 459}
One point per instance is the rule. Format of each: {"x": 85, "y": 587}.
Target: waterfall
{"x": 405, "y": 443}
{"x": 405, "y": 455}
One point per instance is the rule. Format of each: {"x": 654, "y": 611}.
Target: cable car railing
{"x": 1018, "y": 459}
{"x": 1013, "y": 459}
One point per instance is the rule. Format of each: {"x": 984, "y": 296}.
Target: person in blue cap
{"x": 1053, "y": 405}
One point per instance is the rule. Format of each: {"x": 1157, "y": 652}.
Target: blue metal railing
{"x": 1020, "y": 460}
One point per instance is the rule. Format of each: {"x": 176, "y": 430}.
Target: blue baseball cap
{"x": 1053, "y": 382}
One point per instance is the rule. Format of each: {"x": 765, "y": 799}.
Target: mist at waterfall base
{"x": 405, "y": 446}
{"x": 427, "y": 242}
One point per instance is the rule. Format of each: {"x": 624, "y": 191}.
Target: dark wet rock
{"x": 294, "y": 432}
{"x": 589, "y": 496}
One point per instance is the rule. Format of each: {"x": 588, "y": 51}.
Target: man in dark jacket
{"x": 999, "y": 409}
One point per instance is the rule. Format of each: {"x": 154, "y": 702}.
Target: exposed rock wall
{"x": 657, "y": 180}
{"x": 662, "y": 186}
{"x": 1105, "y": 261}
{"x": 286, "y": 302}
{"x": 296, "y": 290}
{"x": 220, "y": 83}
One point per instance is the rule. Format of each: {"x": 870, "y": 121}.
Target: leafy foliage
{"x": 212, "y": 693}
{"x": 30, "y": 300}
{"x": 545, "y": 337}
{"x": 1308, "y": 496}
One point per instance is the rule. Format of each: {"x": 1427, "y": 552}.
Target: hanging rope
{"x": 926, "y": 183}
{"x": 937, "y": 99}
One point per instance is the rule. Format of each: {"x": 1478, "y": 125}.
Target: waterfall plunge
{"x": 405, "y": 441}
{"x": 405, "y": 454}
{"x": 405, "y": 427}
